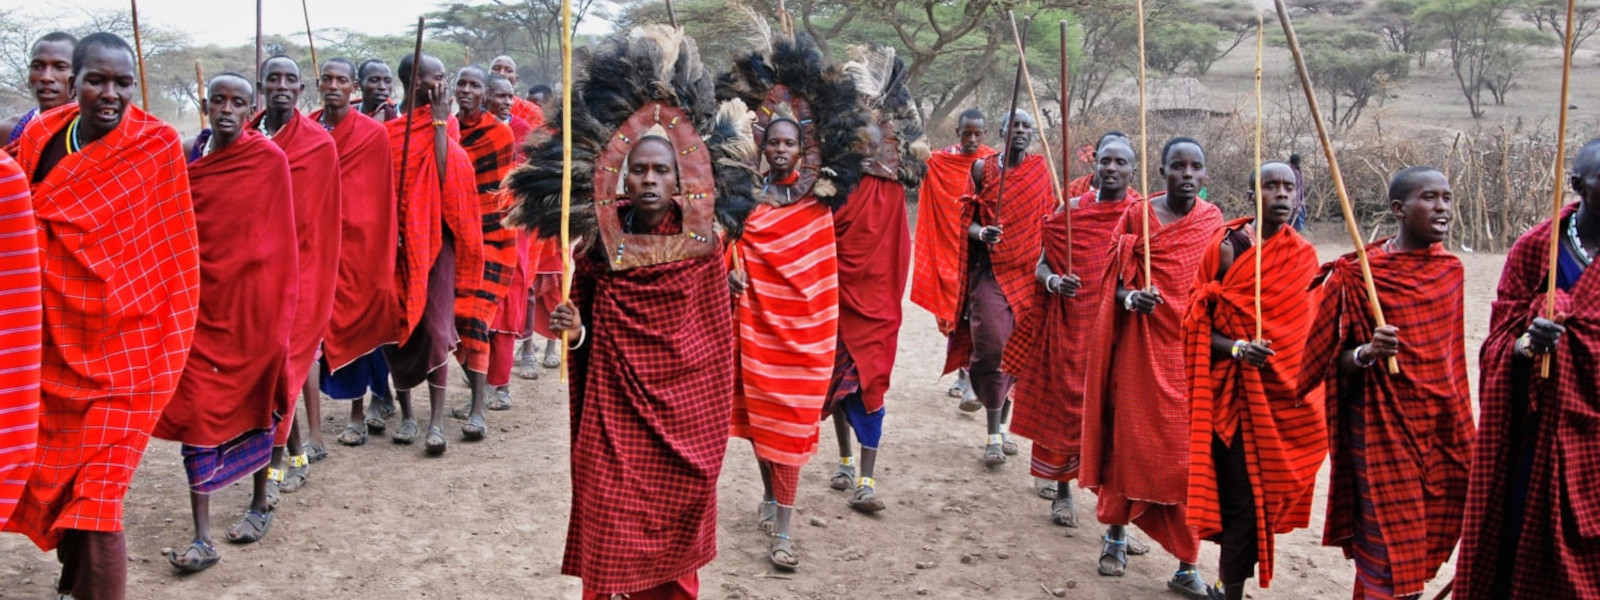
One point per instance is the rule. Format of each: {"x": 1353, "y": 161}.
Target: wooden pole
{"x": 411, "y": 102}
{"x": 1333, "y": 170}
{"x": 566, "y": 168}
{"x": 1005, "y": 150}
{"x": 1560, "y": 190}
{"x": 672, "y": 15}
{"x": 1144, "y": 148}
{"x": 1049, "y": 156}
{"x": 1066, "y": 144}
{"x": 311, "y": 42}
{"x": 1260, "y": 206}
{"x": 259, "y": 58}
{"x": 138, "y": 52}
{"x": 200, "y": 80}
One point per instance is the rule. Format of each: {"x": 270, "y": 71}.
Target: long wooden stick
{"x": 1144, "y": 148}
{"x": 411, "y": 102}
{"x": 1260, "y": 202}
{"x": 200, "y": 80}
{"x": 138, "y": 52}
{"x": 311, "y": 42}
{"x": 1027, "y": 79}
{"x": 1560, "y": 190}
{"x": 672, "y": 15}
{"x": 566, "y": 167}
{"x": 1334, "y": 173}
{"x": 1005, "y": 152}
{"x": 1066, "y": 144}
{"x": 259, "y": 58}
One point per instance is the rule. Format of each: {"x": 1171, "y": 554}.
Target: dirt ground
{"x": 488, "y": 519}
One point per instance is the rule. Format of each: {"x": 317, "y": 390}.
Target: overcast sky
{"x": 232, "y": 22}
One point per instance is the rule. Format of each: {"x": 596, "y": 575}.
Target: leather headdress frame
{"x": 696, "y": 191}
{"x": 810, "y": 145}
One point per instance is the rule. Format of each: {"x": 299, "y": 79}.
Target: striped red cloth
{"x": 1284, "y": 434}
{"x": 1416, "y": 427}
{"x": 491, "y": 146}
{"x": 1134, "y": 387}
{"x": 788, "y": 328}
{"x": 874, "y": 257}
{"x": 314, "y": 168}
{"x": 649, "y": 394}
{"x": 366, "y": 306}
{"x": 1046, "y": 352}
{"x": 524, "y": 109}
{"x": 427, "y": 206}
{"x": 19, "y": 336}
{"x": 519, "y": 134}
{"x": 1549, "y": 425}
{"x": 236, "y": 379}
{"x": 1028, "y": 202}
{"x": 121, "y": 279}
{"x": 941, "y": 236}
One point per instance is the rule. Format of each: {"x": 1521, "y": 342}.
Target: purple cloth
{"x": 433, "y": 340}
{"x": 992, "y": 323}
{"x": 211, "y": 469}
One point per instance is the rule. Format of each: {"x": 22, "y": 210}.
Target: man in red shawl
{"x": 491, "y": 146}
{"x": 1255, "y": 442}
{"x": 536, "y": 284}
{"x": 873, "y": 249}
{"x": 49, "y": 80}
{"x": 1045, "y": 354}
{"x": 941, "y": 236}
{"x": 499, "y": 97}
{"x": 377, "y": 89}
{"x": 997, "y": 265}
{"x": 234, "y": 386}
{"x": 1533, "y": 511}
{"x": 505, "y": 67}
{"x": 366, "y": 309}
{"x": 1136, "y": 408}
{"x": 19, "y": 411}
{"x": 1401, "y": 443}
{"x": 440, "y": 267}
{"x": 314, "y": 170}
{"x": 121, "y": 274}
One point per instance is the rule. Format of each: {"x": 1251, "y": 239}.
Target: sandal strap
{"x": 1122, "y": 542}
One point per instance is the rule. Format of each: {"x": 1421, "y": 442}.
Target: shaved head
{"x": 1588, "y": 160}
{"x": 1406, "y": 182}
{"x": 505, "y": 67}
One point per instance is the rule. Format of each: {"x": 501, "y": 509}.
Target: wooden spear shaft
{"x": 1027, "y": 82}
{"x": 138, "y": 51}
{"x": 1066, "y": 145}
{"x": 1560, "y": 191}
{"x": 1144, "y": 147}
{"x": 200, "y": 82}
{"x": 566, "y": 168}
{"x": 258, "y": 105}
{"x": 311, "y": 42}
{"x": 1333, "y": 171}
{"x": 1260, "y": 210}
{"x": 1005, "y": 150}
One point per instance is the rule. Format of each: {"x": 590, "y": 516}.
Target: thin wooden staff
{"x": 1027, "y": 79}
{"x": 1445, "y": 591}
{"x": 1066, "y": 144}
{"x": 1560, "y": 191}
{"x": 566, "y": 167}
{"x": 1333, "y": 170}
{"x": 259, "y": 58}
{"x": 672, "y": 15}
{"x": 411, "y": 99}
{"x": 311, "y": 42}
{"x": 200, "y": 80}
{"x": 1005, "y": 151}
{"x": 1260, "y": 209}
{"x": 1144, "y": 147}
{"x": 138, "y": 52}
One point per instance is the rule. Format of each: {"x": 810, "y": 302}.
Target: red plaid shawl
{"x": 491, "y": 146}
{"x": 1028, "y": 202}
{"x": 425, "y": 210}
{"x": 1419, "y": 422}
{"x": 366, "y": 309}
{"x": 121, "y": 273}
{"x": 650, "y": 407}
{"x": 874, "y": 253}
{"x": 788, "y": 329}
{"x": 314, "y": 167}
{"x": 19, "y": 336}
{"x": 1558, "y": 555}
{"x": 524, "y": 109}
{"x": 1134, "y": 387}
{"x": 941, "y": 236}
{"x": 1284, "y": 436}
{"x": 236, "y": 378}
{"x": 1046, "y": 352}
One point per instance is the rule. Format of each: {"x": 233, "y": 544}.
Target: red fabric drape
{"x": 1558, "y": 421}
{"x": 1418, "y": 425}
{"x": 874, "y": 254}
{"x": 121, "y": 274}
{"x": 526, "y": 110}
{"x": 236, "y": 377}
{"x": 941, "y": 237}
{"x": 490, "y": 145}
{"x": 366, "y": 306}
{"x": 1046, "y": 352}
{"x": 1284, "y": 434}
{"x": 19, "y": 336}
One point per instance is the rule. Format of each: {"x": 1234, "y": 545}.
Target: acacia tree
{"x": 1395, "y": 21}
{"x": 1551, "y": 16}
{"x": 523, "y": 28}
{"x": 1476, "y": 38}
{"x": 1351, "y": 66}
